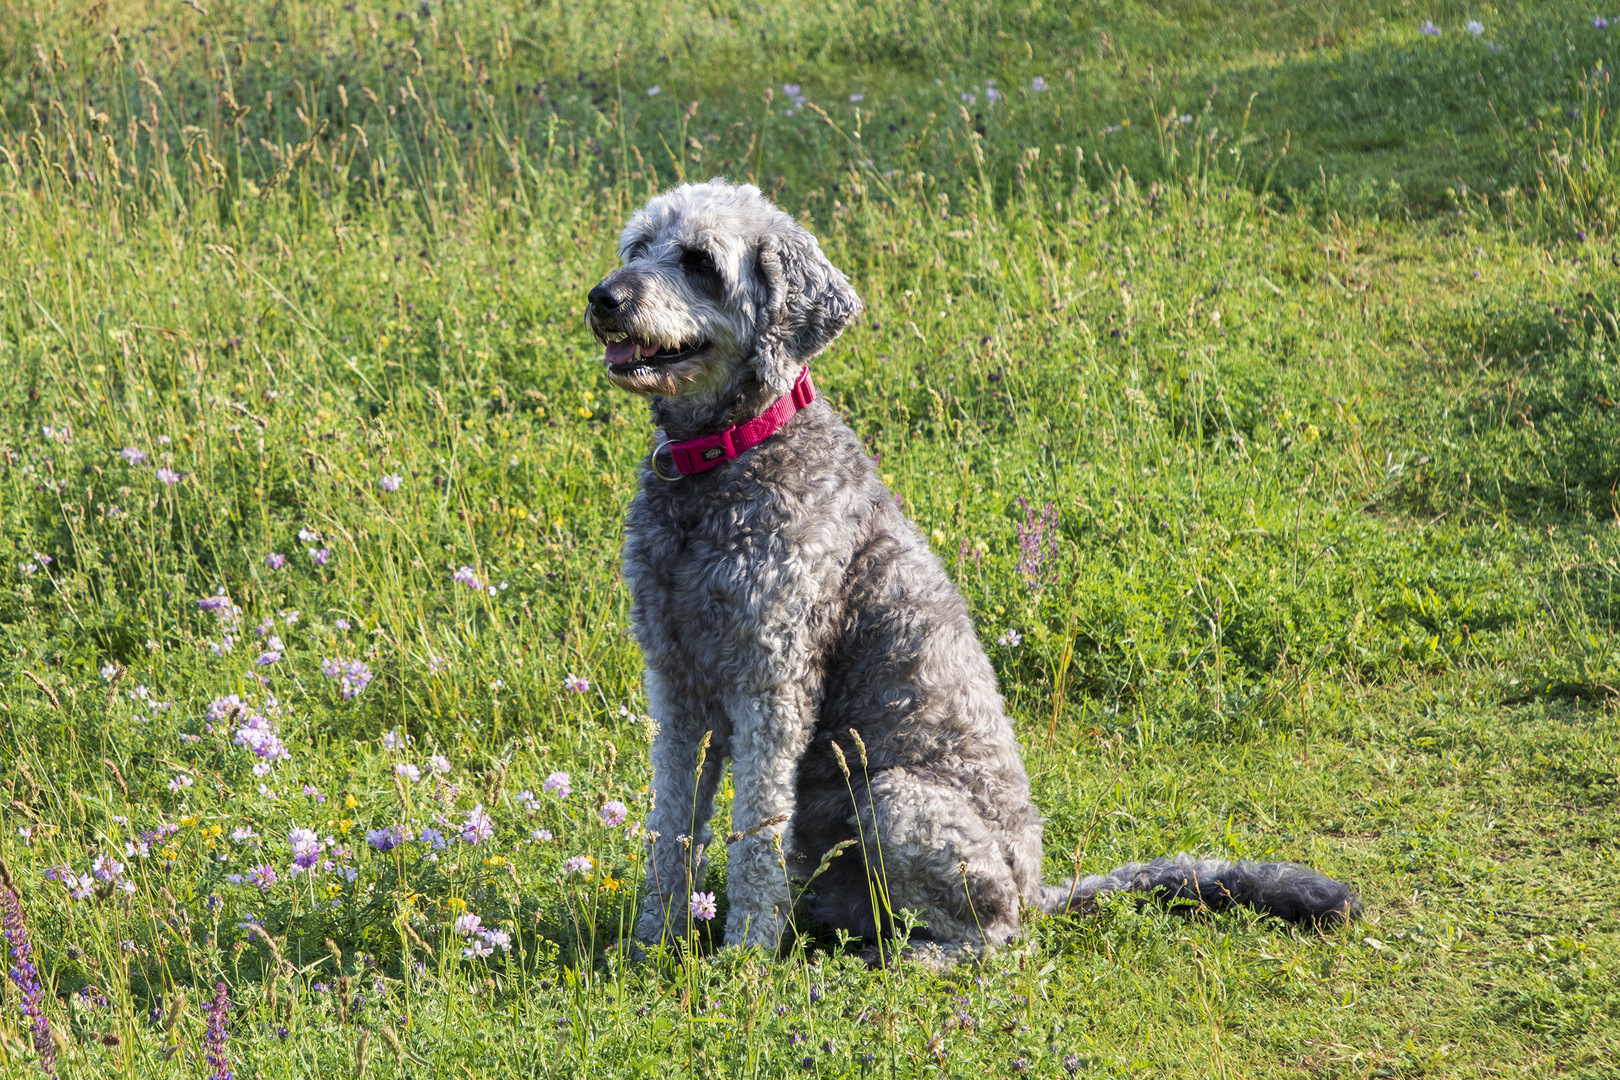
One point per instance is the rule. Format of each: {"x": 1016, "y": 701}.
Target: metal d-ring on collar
{"x": 663, "y": 444}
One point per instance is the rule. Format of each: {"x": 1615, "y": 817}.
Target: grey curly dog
{"x": 793, "y": 621}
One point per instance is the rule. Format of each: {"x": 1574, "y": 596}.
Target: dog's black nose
{"x": 605, "y": 297}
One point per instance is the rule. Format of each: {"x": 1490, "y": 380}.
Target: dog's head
{"x": 718, "y": 285}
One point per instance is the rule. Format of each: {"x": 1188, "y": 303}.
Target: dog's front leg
{"x": 769, "y": 736}
{"x": 678, "y": 826}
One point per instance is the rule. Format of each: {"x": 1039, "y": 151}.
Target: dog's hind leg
{"x": 928, "y": 849}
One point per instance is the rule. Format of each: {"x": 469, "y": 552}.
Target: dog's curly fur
{"x": 787, "y": 608}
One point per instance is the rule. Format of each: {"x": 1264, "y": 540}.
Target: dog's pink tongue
{"x": 620, "y": 352}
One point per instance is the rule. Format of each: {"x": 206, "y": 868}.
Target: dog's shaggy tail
{"x": 1286, "y": 890}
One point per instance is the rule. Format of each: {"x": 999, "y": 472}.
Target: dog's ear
{"x": 807, "y": 303}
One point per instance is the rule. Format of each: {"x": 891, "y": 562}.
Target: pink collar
{"x": 702, "y": 454}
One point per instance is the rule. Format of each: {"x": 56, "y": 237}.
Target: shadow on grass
{"x": 1522, "y": 417}
{"x": 1384, "y": 127}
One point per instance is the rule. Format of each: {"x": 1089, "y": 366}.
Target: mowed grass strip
{"x": 1281, "y": 485}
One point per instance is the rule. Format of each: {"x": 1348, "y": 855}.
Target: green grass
{"x": 1321, "y": 384}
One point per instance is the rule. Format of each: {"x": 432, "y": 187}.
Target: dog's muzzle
{"x": 611, "y": 317}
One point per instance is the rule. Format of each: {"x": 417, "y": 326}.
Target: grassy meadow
{"x": 1252, "y": 366}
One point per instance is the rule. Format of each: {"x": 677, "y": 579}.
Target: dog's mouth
{"x": 628, "y": 356}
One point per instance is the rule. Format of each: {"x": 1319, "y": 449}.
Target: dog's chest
{"x": 714, "y": 577}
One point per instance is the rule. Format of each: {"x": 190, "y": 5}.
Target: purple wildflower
{"x": 477, "y": 827}
{"x": 1600, "y": 23}
{"x": 577, "y": 684}
{"x": 386, "y": 839}
{"x": 267, "y": 658}
{"x": 485, "y": 941}
{"x": 559, "y": 784}
{"x": 24, "y": 974}
{"x": 433, "y": 838}
{"x": 1038, "y": 545}
{"x": 1428, "y": 29}
{"x": 702, "y": 906}
{"x": 263, "y": 876}
{"x": 353, "y": 675}
{"x": 168, "y": 476}
{"x": 320, "y": 555}
{"x": 256, "y": 733}
{"x": 79, "y": 888}
{"x": 214, "y": 1042}
{"x": 275, "y": 560}
{"x": 465, "y": 576}
{"x": 106, "y": 868}
{"x": 306, "y": 849}
{"x": 613, "y": 813}
{"x": 133, "y": 455}
{"x": 579, "y": 864}
{"x": 389, "y": 482}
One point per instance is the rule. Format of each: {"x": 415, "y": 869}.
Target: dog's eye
{"x": 697, "y": 261}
